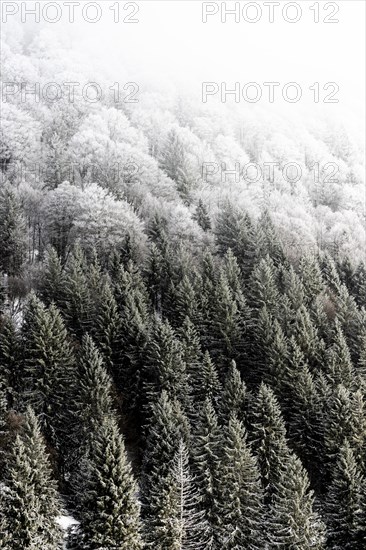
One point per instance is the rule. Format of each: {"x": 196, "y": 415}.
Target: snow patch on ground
{"x": 66, "y": 521}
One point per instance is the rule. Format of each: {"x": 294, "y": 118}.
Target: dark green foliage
{"x": 168, "y": 427}
{"x": 345, "y": 504}
{"x": 292, "y": 522}
{"x": 164, "y": 367}
{"x": 29, "y": 503}
{"x": 48, "y": 382}
{"x": 269, "y": 438}
{"x": 207, "y": 435}
{"x": 233, "y": 397}
{"x": 76, "y": 300}
{"x": 238, "y": 495}
{"x": 107, "y": 328}
{"x": 110, "y": 514}
{"x": 9, "y": 360}
{"x": 183, "y": 352}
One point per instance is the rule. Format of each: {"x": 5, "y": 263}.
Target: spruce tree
{"x": 201, "y": 216}
{"x": 174, "y": 162}
{"x": 234, "y": 230}
{"x": 359, "y": 285}
{"x": 29, "y": 503}
{"x": 9, "y": 360}
{"x": 164, "y": 368}
{"x": 107, "y": 328}
{"x": 185, "y": 520}
{"x": 94, "y": 387}
{"x": 133, "y": 307}
{"x": 307, "y": 337}
{"x": 233, "y": 399}
{"x": 344, "y": 506}
{"x": 75, "y": 298}
{"x": 52, "y": 279}
{"x": 205, "y": 382}
{"x": 110, "y": 514}
{"x": 238, "y": 495}
{"x": 207, "y": 436}
{"x": 342, "y": 421}
{"x": 228, "y": 327}
{"x": 292, "y": 521}
{"x": 263, "y": 287}
{"x": 267, "y": 240}
{"x": 269, "y": 438}
{"x": 311, "y": 277}
{"x": 12, "y": 232}
{"x": 49, "y": 375}
{"x": 168, "y": 426}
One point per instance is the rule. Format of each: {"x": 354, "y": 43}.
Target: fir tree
{"x": 344, "y": 504}
{"x": 76, "y": 299}
{"x": 292, "y": 520}
{"x": 12, "y": 232}
{"x": 52, "y": 278}
{"x": 30, "y": 503}
{"x": 206, "y": 435}
{"x": 201, "y": 216}
{"x": 238, "y": 493}
{"x": 164, "y": 367}
{"x": 9, "y": 361}
{"x": 233, "y": 400}
{"x": 168, "y": 426}
{"x": 269, "y": 438}
{"x": 110, "y": 516}
{"x": 94, "y": 388}
{"x": 107, "y": 328}
{"x": 184, "y": 517}
{"x": 48, "y": 368}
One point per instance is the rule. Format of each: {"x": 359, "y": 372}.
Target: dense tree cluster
{"x": 197, "y": 399}
{"x": 175, "y": 372}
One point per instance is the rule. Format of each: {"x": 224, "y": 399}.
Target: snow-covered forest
{"x": 182, "y": 316}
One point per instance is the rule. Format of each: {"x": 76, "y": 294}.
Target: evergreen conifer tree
{"x": 292, "y": 522}
{"x": 9, "y": 360}
{"x": 164, "y": 367}
{"x": 110, "y": 513}
{"x": 49, "y": 375}
{"x": 168, "y": 427}
{"x": 269, "y": 438}
{"x": 344, "y": 505}
{"x": 238, "y": 497}
{"x": 29, "y": 503}
{"x": 12, "y": 232}
{"x": 201, "y": 216}
{"x": 233, "y": 400}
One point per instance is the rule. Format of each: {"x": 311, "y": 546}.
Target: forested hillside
{"x": 182, "y": 359}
